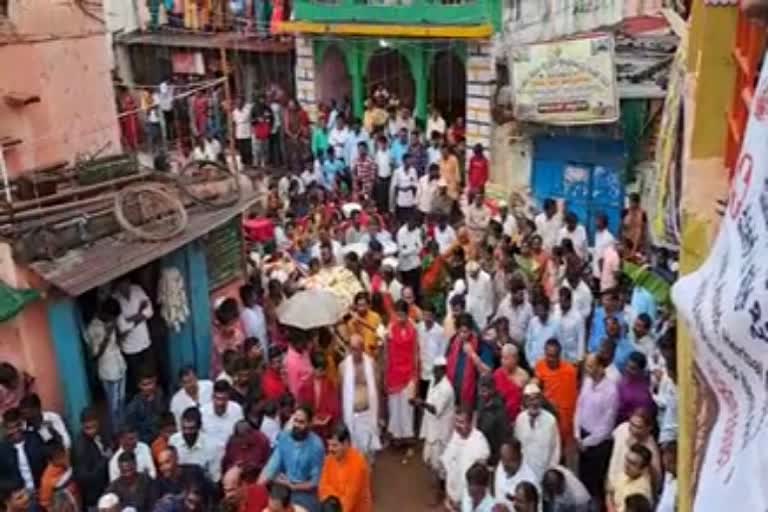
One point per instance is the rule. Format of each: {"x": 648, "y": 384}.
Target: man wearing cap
{"x": 537, "y": 431}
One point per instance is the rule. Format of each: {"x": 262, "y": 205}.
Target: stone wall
{"x": 305, "y": 75}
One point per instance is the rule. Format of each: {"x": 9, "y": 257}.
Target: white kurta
{"x": 436, "y": 429}
{"x": 363, "y": 425}
{"x": 540, "y": 441}
{"x": 480, "y": 295}
{"x": 458, "y": 457}
{"x": 504, "y": 484}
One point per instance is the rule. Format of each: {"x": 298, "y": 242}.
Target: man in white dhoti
{"x": 537, "y": 431}
{"x": 479, "y": 294}
{"x": 437, "y": 423}
{"x": 360, "y": 398}
{"x": 467, "y": 446}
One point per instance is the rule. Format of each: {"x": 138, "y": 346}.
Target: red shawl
{"x": 469, "y": 377}
{"x": 509, "y": 391}
{"x": 325, "y": 405}
{"x": 401, "y": 367}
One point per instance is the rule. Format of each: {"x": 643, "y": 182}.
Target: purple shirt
{"x": 634, "y": 393}
{"x": 596, "y": 411}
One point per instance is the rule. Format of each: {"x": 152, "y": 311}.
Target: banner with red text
{"x": 725, "y": 304}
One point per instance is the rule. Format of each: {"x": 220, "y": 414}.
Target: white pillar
{"x": 305, "y": 75}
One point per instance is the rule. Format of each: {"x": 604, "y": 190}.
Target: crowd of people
{"x": 509, "y": 349}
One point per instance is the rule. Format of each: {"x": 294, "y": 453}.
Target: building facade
{"x": 424, "y": 53}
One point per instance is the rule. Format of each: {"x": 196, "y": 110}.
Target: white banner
{"x": 566, "y": 82}
{"x": 529, "y": 21}
{"x": 725, "y": 303}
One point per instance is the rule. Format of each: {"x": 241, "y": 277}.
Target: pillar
{"x": 305, "y": 75}
{"x": 356, "y": 67}
{"x": 481, "y": 81}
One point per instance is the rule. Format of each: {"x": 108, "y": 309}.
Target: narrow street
{"x": 401, "y": 487}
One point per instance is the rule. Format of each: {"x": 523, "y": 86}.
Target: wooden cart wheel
{"x": 150, "y": 212}
{"x": 210, "y": 184}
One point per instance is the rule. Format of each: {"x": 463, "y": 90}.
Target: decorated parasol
{"x": 310, "y": 309}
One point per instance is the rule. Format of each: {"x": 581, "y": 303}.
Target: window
{"x": 747, "y": 53}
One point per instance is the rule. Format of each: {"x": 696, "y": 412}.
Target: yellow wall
{"x": 712, "y": 33}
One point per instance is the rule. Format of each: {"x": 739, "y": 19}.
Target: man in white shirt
{"x": 253, "y": 319}
{"x": 337, "y": 138}
{"x": 610, "y": 266}
{"x": 241, "y": 117}
{"x": 603, "y": 239}
{"x": 435, "y": 123}
{"x": 427, "y": 190}
{"x": 437, "y": 411}
{"x": 433, "y": 344}
{"x": 580, "y": 293}
{"x": 479, "y": 294}
{"x": 512, "y": 470}
{"x": 193, "y": 393}
{"x": 129, "y": 442}
{"x": 668, "y": 500}
{"x": 405, "y": 183}
{"x": 445, "y": 235}
{"x": 135, "y": 310}
{"x": 548, "y": 224}
{"x": 47, "y": 424}
{"x": 409, "y": 246}
{"x": 571, "y": 328}
{"x": 195, "y": 447}
{"x": 562, "y": 490}
{"x": 537, "y": 431}
{"x": 383, "y": 158}
{"x": 466, "y": 446}
{"x": 221, "y": 415}
{"x": 212, "y": 148}
{"x": 576, "y": 233}
{"x": 516, "y": 309}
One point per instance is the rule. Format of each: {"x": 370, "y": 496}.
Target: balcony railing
{"x": 400, "y": 12}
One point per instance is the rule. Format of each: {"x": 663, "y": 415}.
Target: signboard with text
{"x": 568, "y": 82}
{"x": 725, "y": 304}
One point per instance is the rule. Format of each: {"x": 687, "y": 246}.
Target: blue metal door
{"x": 585, "y": 173}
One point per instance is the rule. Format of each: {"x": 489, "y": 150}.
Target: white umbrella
{"x": 310, "y": 309}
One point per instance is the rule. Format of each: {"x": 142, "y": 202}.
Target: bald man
{"x": 242, "y": 496}
{"x": 360, "y": 398}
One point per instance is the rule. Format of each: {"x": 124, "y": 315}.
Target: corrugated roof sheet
{"x": 228, "y": 40}
{"x": 83, "y": 269}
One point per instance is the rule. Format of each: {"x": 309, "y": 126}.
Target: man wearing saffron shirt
{"x": 478, "y": 169}
{"x": 401, "y": 373}
{"x": 345, "y": 474}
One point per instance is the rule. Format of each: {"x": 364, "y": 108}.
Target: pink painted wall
{"x": 56, "y": 52}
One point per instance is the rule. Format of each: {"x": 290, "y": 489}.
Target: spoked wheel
{"x": 150, "y": 212}
{"x": 209, "y": 183}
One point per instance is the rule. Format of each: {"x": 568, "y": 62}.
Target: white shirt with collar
{"x": 55, "y": 422}
{"x": 458, "y": 457}
{"x": 203, "y": 454}
{"x": 433, "y": 343}
{"x": 135, "y": 336}
{"x": 409, "y": 245}
{"x": 504, "y": 484}
{"x": 270, "y": 427}
{"x": 581, "y": 296}
{"x": 383, "y": 163}
{"x": 603, "y": 239}
{"x": 549, "y": 229}
{"x": 337, "y": 138}
{"x": 578, "y": 237}
{"x": 571, "y": 333}
{"x": 445, "y": 237}
{"x": 518, "y": 316}
{"x": 255, "y": 326}
{"x": 540, "y": 440}
{"x": 144, "y": 462}
{"x": 181, "y": 401}
{"x": 24, "y": 468}
{"x": 242, "y": 119}
{"x": 220, "y": 428}
{"x": 405, "y": 183}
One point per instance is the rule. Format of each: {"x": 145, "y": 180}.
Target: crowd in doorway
{"x": 509, "y": 348}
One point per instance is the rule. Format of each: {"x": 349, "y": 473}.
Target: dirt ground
{"x": 399, "y": 487}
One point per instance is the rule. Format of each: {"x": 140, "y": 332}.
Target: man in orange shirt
{"x": 345, "y": 474}
{"x": 560, "y": 382}
{"x": 365, "y": 322}
{"x": 58, "y": 477}
{"x": 167, "y": 426}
